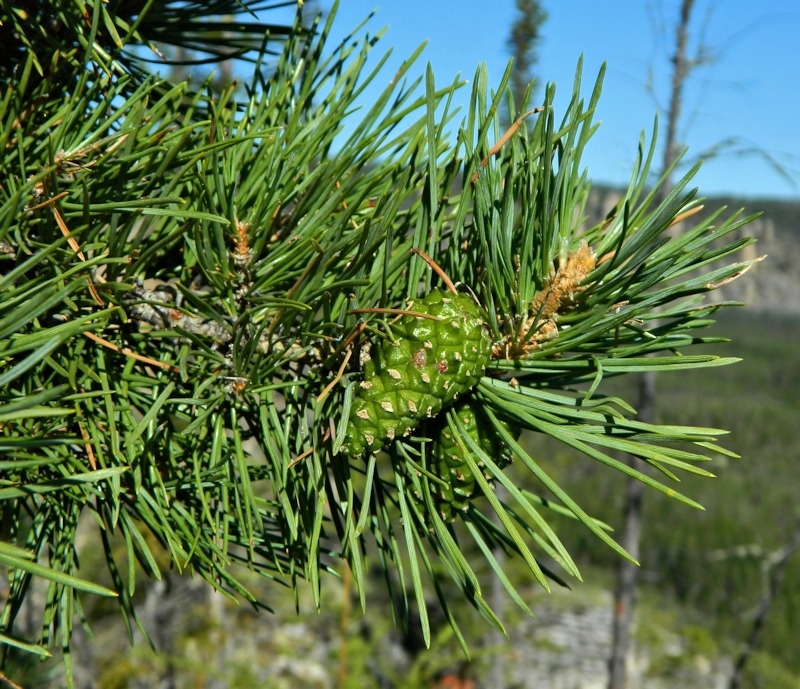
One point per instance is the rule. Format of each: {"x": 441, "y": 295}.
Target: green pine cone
{"x": 429, "y": 365}
{"x": 449, "y": 461}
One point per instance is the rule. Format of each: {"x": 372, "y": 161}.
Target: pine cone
{"x": 449, "y": 461}
{"x": 430, "y": 363}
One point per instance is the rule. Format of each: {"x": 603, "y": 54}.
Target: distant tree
{"x": 523, "y": 44}
{"x": 685, "y": 58}
{"x": 628, "y": 572}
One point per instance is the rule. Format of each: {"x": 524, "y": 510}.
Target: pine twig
{"x": 149, "y": 307}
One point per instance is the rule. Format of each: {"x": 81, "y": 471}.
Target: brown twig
{"x": 351, "y": 338}
{"x": 337, "y": 378}
{"x": 397, "y": 312}
{"x": 513, "y": 129}
{"x": 300, "y": 457}
{"x": 436, "y": 269}
{"x": 71, "y": 241}
{"x": 736, "y": 275}
{"x": 132, "y": 355}
{"x": 309, "y": 269}
{"x": 11, "y": 685}
{"x": 48, "y": 202}
{"x": 88, "y": 446}
{"x": 686, "y": 214}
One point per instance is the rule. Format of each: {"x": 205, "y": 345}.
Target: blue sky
{"x": 749, "y": 93}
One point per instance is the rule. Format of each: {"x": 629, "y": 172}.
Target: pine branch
{"x": 198, "y": 290}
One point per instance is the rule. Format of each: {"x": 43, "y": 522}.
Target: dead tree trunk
{"x": 628, "y": 573}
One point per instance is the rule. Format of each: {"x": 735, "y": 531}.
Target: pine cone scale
{"x": 428, "y": 364}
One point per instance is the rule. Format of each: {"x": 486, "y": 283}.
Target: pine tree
{"x": 206, "y": 296}
{"x": 523, "y": 43}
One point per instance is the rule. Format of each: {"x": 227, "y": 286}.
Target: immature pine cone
{"x": 449, "y": 460}
{"x": 430, "y": 363}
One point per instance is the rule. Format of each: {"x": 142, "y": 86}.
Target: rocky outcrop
{"x": 772, "y": 285}
{"x": 568, "y": 644}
